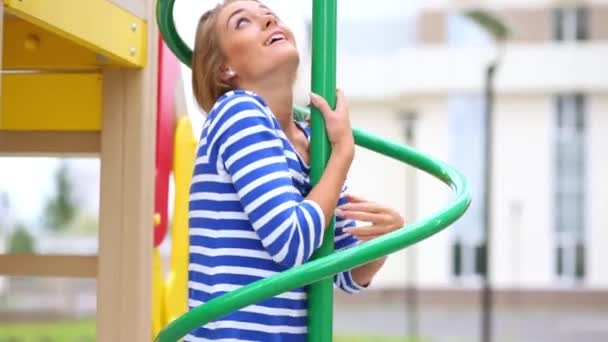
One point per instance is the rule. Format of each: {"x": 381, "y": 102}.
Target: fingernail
{"x": 338, "y": 212}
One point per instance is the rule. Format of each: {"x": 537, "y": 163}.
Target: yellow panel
{"x": 27, "y": 46}
{"x": 99, "y": 25}
{"x": 184, "y": 151}
{"x": 158, "y": 289}
{"x": 51, "y": 102}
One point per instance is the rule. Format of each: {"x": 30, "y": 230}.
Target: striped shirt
{"x": 249, "y": 220}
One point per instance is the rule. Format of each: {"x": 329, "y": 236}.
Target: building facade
{"x": 420, "y": 80}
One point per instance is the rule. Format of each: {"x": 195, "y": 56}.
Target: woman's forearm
{"x": 364, "y": 274}
{"x": 327, "y": 192}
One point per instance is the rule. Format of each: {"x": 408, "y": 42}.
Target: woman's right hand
{"x": 338, "y": 124}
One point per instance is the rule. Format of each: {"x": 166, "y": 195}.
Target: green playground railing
{"x": 318, "y": 272}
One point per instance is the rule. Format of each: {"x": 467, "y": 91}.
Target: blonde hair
{"x": 207, "y": 58}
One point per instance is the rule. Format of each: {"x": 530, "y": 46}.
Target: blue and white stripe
{"x": 249, "y": 220}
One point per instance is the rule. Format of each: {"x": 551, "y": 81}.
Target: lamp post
{"x": 487, "y": 301}
{"x": 412, "y": 300}
{"x": 500, "y": 32}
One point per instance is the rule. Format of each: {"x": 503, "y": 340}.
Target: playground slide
{"x": 324, "y": 267}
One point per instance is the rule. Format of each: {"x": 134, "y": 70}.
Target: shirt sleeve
{"x": 343, "y": 240}
{"x": 289, "y": 227}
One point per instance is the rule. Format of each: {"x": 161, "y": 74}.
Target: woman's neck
{"x": 279, "y": 97}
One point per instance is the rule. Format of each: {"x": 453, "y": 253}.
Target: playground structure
{"x": 94, "y": 77}
{"x": 86, "y": 78}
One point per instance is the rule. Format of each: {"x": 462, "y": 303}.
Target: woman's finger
{"x": 360, "y": 231}
{"x": 340, "y": 101}
{"x": 319, "y": 102}
{"x": 363, "y": 216}
{"x": 364, "y": 206}
{"x": 368, "y": 230}
{"x": 354, "y": 199}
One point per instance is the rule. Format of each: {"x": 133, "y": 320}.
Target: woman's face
{"x": 255, "y": 42}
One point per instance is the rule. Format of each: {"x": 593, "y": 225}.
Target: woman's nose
{"x": 269, "y": 21}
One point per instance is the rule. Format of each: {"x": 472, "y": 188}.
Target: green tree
{"x": 21, "y": 241}
{"x": 85, "y": 224}
{"x": 61, "y": 208}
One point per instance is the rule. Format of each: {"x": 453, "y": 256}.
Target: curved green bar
{"x": 325, "y": 267}
{"x": 339, "y": 261}
{"x": 166, "y": 26}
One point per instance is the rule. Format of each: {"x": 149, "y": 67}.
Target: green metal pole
{"x": 324, "y": 84}
{"x": 320, "y": 294}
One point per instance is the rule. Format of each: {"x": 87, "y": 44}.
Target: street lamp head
{"x": 491, "y": 23}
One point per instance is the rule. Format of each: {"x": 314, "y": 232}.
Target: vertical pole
{"x": 124, "y": 275}
{"x": 486, "y": 299}
{"x": 412, "y": 300}
{"x": 320, "y": 295}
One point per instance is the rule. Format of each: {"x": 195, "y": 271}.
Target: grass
{"x": 84, "y": 331}
{"x": 79, "y": 331}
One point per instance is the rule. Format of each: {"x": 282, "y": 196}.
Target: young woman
{"x": 253, "y": 212}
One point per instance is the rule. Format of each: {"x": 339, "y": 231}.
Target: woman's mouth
{"x": 275, "y": 38}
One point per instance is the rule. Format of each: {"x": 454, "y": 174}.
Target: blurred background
{"x": 514, "y": 94}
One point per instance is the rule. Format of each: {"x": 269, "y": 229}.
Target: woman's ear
{"x": 227, "y": 73}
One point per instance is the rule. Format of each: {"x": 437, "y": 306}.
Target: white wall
{"x": 522, "y": 210}
{"x": 523, "y": 224}
{"x": 381, "y": 179}
{"x": 432, "y": 137}
{"x": 597, "y": 161}
{"x": 435, "y": 71}
{"x": 386, "y": 181}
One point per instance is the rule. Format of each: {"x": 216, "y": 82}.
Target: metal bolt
{"x": 132, "y": 51}
{"x": 31, "y": 43}
{"x": 133, "y": 27}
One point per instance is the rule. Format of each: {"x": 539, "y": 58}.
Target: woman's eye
{"x": 241, "y": 22}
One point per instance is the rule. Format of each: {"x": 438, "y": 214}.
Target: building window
{"x": 571, "y": 24}
{"x": 466, "y": 127}
{"x": 569, "y": 200}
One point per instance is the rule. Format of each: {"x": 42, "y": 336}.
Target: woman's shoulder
{"x": 236, "y": 100}
{"x": 237, "y": 108}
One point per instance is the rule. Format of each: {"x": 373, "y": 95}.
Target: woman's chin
{"x": 283, "y": 48}
{"x": 287, "y": 56}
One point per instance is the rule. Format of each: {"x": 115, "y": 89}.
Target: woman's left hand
{"x": 382, "y": 220}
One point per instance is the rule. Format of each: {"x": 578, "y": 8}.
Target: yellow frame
{"x": 27, "y": 46}
{"x": 51, "y": 102}
{"x": 98, "y": 25}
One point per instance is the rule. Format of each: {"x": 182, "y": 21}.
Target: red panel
{"x": 168, "y": 71}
